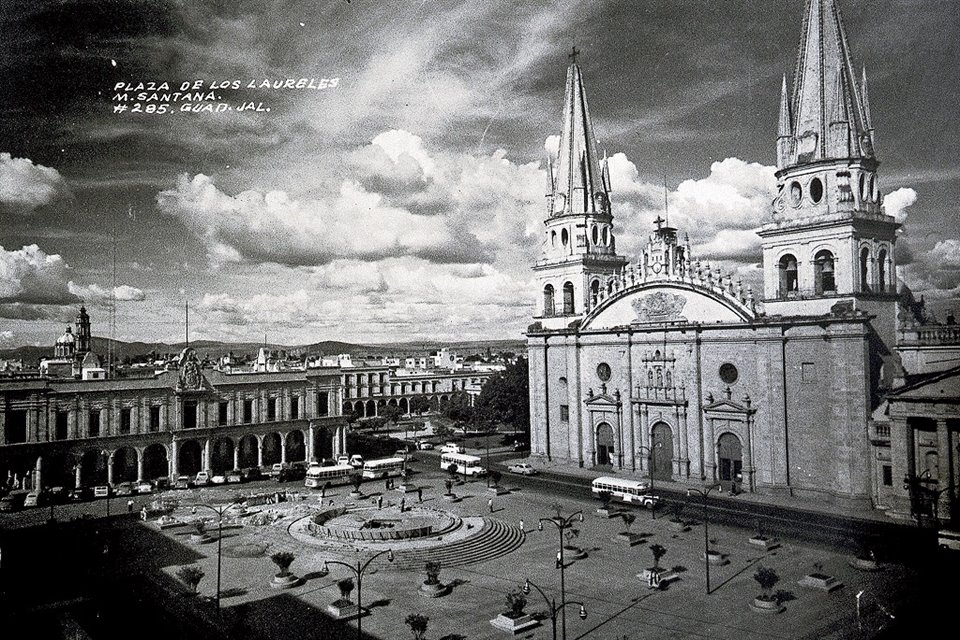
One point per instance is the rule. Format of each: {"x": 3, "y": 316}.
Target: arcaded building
{"x": 661, "y": 364}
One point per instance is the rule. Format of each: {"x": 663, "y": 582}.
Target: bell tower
{"x": 828, "y": 240}
{"x": 578, "y": 254}
{"x": 83, "y": 333}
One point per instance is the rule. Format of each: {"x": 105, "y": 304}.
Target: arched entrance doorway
{"x": 155, "y": 462}
{"x": 271, "y": 448}
{"x": 222, "y": 455}
{"x": 404, "y": 406}
{"x": 93, "y": 468}
{"x": 606, "y": 451}
{"x": 730, "y": 459}
{"x": 190, "y": 458}
{"x": 125, "y": 464}
{"x": 248, "y": 451}
{"x": 296, "y": 448}
{"x": 661, "y": 462}
{"x": 371, "y": 409}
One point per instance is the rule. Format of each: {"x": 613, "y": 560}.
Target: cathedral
{"x": 666, "y": 367}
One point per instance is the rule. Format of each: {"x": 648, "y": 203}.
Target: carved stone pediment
{"x": 659, "y": 306}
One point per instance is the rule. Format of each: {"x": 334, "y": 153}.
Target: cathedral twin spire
{"x": 828, "y": 116}
{"x": 580, "y": 182}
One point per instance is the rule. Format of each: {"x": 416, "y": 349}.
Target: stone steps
{"x": 495, "y": 538}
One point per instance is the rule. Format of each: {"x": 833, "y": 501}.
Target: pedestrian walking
{"x": 323, "y": 492}
{"x": 379, "y": 502}
{"x": 143, "y": 514}
{"x": 522, "y": 528}
{"x": 130, "y": 506}
{"x": 403, "y": 504}
{"x": 419, "y": 494}
{"x": 490, "y": 504}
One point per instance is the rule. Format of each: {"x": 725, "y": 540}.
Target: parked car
{"x": 343, "y": 459}
{"x": 162, "y": 483}
{"x": 425, "y": 446}
{"x": 252, "y": 473}
{"x": 11, "y": 502}
{"x": 102, "y": 491}
{"x": 296, "y": 471}
{"x": 234, "y": 476}
{"x": 452, "y": 447}
{"x": 647, "y": 500}
{"x": 59, "y": 495}
{"x": 144, "y": 486}
{"x": 33, "y": 499}
{"x": 202, "y": 479}
{"x": 520, "y": 445}
{"x": 80, "y": 494}
{"x": 523, "y": 468}
{"x": 220, "y": 478}
{"x": 124, "y": 489}
{"x": 356, "y": 461}
{"x": 183, "y": 482}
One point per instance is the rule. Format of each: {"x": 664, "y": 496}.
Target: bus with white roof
{"x": 466, "y": 464}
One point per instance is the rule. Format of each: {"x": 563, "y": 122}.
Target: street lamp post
{"x": 554, "y": 608}
{"x": 219, "y": 511}
{"x": 106, "y": 459}
{"x": 703, "y": 493}
{"x": 358, "y": 571}
{"x": 649, "y": 450}
{"x": 562, "y": 524}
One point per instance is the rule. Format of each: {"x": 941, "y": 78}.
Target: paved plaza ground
{"x": 619, "y": 604}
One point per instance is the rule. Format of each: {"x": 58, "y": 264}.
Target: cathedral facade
{"x": 668, "y": 367}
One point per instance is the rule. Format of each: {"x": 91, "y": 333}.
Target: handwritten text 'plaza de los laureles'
{"x": 199, "y": 96}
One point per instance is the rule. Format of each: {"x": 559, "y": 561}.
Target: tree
{"x": 767, "y": 578}
{"x": 418, "y": 625}
{"x": 459, "y": 408}
{"x": 448, "y": 483}
{"x": 505, "y": 397}
{"x": 191, "y": 576}
{"x": 283, "y": 560}
{"x": 391, "y": 413}
{"x": 419, "y": 405}
{"x": 442, "y": 431}
{"x": 658, "y": 551}
{"x": 357, "y": 480}
{"x": 345, "y": 585}
{"x": 495, "y": 477}
{"x": 452, "y": 469}
{"x": 628, "y": 519}
{"x": 605, "y": 497}
{"x": 432, "y": 569}
{"x": 516, "y": 603}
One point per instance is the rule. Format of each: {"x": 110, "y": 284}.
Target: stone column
{"x": 205, "y": 458}
{"x": 259, "y": 450}
{"x": 283, "y": 448}
{"x": 236, "y": 454}
{"x": 684, "y": 442}
{"x": 311, "y": 434}
{"x": 174, "y": 461}
{"x": 645, "y": 437}
{"x": 945, "y": 456}
{"x": 139, "y": 464}
{"x": 710, "y": 449}
{"x": 38, "y": 474}
{"x": 110, "y": 467}
{"x": 77, "y": 473}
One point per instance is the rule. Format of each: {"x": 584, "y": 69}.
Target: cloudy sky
{"x": 406, "y": 201}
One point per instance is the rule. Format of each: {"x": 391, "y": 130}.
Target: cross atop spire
{"x": 659, "y": 222}
{"x": 573, "y": 55}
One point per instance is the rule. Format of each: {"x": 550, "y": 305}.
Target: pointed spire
{"x": 785, "y": 128}
{"x": 866, "y": 100}
{"x": 823, "y": 56}
{"x": 578, "y": 175}
{"x": 549, "y": 176}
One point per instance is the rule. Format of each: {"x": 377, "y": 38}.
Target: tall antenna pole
{"x": 113, "y": 298}
{"x": 666, "y": 200}
{"x": 186, "y": 322}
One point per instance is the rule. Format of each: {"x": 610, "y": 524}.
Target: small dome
{"x": 67, "y": 337}
{"x": 90, "y": 361}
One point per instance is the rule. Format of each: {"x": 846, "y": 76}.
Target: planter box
{"x": 629, "y": 539}
{"x": 343, "y": 612}
{"x": 356, "y": 494}
{"x": 820, "y": 581}
{"x": 405, "y": 488}
{"x": 766, "y": 543}
{"x": 608, "y": 513}
{"x": 196, "y": 538}
{"x": 288, "y": 581}
{"x": 451, "y": 497}
{"x": 575, "y": 553}
{"x": 433, "y": 590}
{"x": 498, "y": 490}
{"x": 663, "y": 578}
{"x": 715, "y": 558}
{"x": 865, "y": 564}
{"x": 514, "y": 625}
{"x": 678, "y": 525}
{"x": 766, "y": 606}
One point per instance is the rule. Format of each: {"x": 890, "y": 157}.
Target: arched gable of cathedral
{"x": 662, "y": 302}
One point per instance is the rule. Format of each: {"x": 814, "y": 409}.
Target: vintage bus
{"x": 466, "y": 464}
{"x": 630, "y": 491}
{"x": 383, "y": 468}
{"x": 318, "y": 476}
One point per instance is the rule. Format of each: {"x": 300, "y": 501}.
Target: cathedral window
{"x": 863, "y": 188}
{"x": 882, "y": 270}
{"x": 548, "y": 300}
{"x": 564, "y": 237}
{"x": 154, "y": 418}
{"x": 553, "y": 238}
{"x": 567, "y": 298}
{"x": 190, "y": 414}
{"x": 788, "y": 275}
{"x": 796, "y": 193}
{"x": 565, "y": 413}
{"x": 823, "y": 273}
{"x": 729, "y": 373}
{"x": 669, "y": 379}
{"x": 603, "y": 371}
{"x": 125, "y": 420}
{"x": 596, "y": 235}
{"x": 659, "y": 377}
{"x": 865, "y": 269}
{"x": 650, "y": 378}
{"x": 93, "y": 424}
{"x": 816, "y": 190}
{"x": 594, "y": 290}
{"x": 222, "y": 412}
{"x": 605, "y": 236}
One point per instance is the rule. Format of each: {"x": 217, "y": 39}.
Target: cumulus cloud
{"x": 401, "y": 200}
{"x": 6, "y": 337}
{"x": 96, "y": 293}
{"x": 896, "y": 203}
{"x": 25, "y": 186}
{"x": 31, "y": 276}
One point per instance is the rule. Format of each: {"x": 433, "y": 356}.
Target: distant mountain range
{"x": 31, "y": 355}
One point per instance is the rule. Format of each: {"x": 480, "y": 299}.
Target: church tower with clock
{"x": 578, "y": 256}
{"x": 829, "y": 239}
